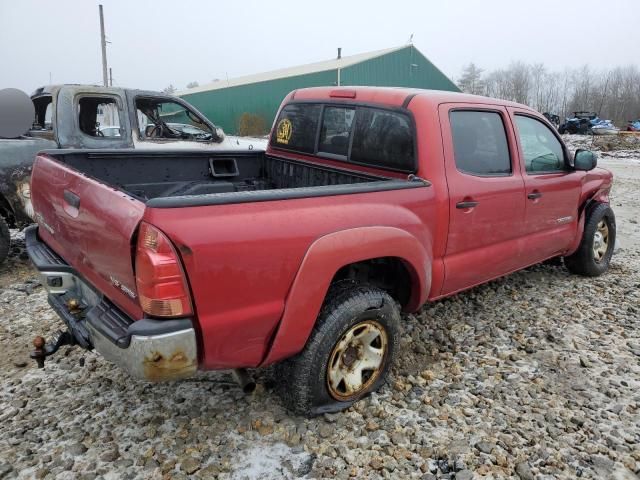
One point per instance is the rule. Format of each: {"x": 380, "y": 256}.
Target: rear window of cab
{"x": 357, "y": 134}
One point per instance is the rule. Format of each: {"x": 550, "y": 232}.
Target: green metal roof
{"x": 224, "y": 102}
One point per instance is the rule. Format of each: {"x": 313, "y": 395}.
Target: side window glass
{"x": 335, "y": 131}
{"x": 480, "y": 143}
{"x": 48, "y": 114}
{"x": 383, "y": 139}
{"x": 542, "y": 151}
{"x": 99, "y": 117}
{"x": 296, "y": 127}
{"x": 163, "y": 119}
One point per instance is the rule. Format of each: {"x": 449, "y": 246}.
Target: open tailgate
{"x": 91, "y": 226}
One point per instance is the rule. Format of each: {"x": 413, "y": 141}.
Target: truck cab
{"x": 79, "y": 116}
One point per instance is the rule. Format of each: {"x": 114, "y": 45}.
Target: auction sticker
{"x": 284, "y": 131}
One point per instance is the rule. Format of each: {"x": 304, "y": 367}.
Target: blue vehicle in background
{"x": 633, "y": 126}
{"x": 580, "y": 123}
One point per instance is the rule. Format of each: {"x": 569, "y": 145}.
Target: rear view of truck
{"x": 126, "y": 287}
{"x": 106, "y": 271}
{"x": 168, "y": 262}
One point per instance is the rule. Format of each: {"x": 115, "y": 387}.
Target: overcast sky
{"x": 159, "y": 42}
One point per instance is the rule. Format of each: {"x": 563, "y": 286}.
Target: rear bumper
{"x": 148, "y": 349}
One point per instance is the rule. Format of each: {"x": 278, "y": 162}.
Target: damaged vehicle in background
{"x": 579, "y": 124}
{"x": 94, "y": 117}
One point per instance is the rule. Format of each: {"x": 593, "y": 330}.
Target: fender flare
{"x": 321, "y": 262}
{"x": 600, "y": 196}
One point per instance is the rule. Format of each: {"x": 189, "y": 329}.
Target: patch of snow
{"x": 270, "y": 462}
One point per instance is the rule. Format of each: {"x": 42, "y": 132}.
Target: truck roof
{"x": 53, "y": 89}
{"x": 393, "y": 96}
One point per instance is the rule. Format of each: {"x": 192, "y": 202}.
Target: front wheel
{"x": 348, "y": 353}
{"x": 596, "y": 248}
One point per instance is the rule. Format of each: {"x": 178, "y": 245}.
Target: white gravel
{"x": 536, "y": 375}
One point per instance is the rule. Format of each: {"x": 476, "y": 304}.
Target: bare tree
{"x": 471, "y": 80}
{"x": 520, "y": 82}
{"x": 170, "y": 90}
{"x": 613, "y": 95}
{"x": 193, "y": 84}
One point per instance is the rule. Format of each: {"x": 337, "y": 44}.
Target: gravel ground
{"x": 536, "y": 375}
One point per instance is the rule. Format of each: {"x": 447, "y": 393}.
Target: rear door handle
{"x": 534, "y": 195}
{"x": 466, "y": 204}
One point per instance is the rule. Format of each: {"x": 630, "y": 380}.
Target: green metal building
{"x": 225, "y": 102}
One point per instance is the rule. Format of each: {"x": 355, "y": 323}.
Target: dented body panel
{"x": 16, "y": 160}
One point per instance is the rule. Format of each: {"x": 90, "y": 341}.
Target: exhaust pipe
{"x": 243, "y": 379}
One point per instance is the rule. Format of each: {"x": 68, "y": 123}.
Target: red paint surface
{"x": 258, "y": 272}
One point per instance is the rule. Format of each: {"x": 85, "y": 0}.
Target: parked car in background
{"x": 93, "y": 117}
{"x": 109, "y": 131}
{"x": 552, "y": 118}
{"x": 580, "y": 123}
{"x": 367, "y": 203}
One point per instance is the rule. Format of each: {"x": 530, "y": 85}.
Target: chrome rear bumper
{"x": 155, "y": 358}
{"x": 148, "y": 349}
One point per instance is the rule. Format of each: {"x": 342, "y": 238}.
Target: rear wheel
{"x": 5, "y": 239}
{"x": 348, "y": 353}
{"x": 596, "y": 248}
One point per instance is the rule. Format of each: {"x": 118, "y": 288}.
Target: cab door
{"x": 486, "y": 195}
{"x": 552, "y": 187}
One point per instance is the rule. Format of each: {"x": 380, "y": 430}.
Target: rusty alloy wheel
{"x": 356, "y": 360}
{"x": 600, "y": 241}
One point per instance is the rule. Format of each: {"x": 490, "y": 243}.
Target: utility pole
{"x": 103, "y": 42}
{"x": 110, "y": 77}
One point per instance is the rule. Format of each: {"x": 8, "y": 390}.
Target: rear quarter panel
{"x": 241, "y": 259}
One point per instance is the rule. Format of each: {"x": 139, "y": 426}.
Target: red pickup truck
{"x": 367, "y": 203}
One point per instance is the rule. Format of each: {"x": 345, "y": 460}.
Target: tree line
{"x": 612, "y": 94}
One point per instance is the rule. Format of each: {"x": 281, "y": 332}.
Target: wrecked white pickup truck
{"x": 82, "y": 116}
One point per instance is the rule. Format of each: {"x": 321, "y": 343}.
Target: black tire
{"x": 5, "y": 239}
{"x": 562, "y": 130}
{"x": 583, "y": 261}
{"x": 303, "y": 379}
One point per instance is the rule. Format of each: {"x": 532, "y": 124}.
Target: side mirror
{"x": 585, "y": 160}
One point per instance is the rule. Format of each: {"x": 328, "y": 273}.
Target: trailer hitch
{"x": 42, "y": 349}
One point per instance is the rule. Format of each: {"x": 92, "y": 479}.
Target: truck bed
{"x": 242, "y": 228}
{"x": 178, "y": 178}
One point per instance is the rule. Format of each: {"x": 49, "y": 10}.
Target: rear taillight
{"x": 161, "y": 282}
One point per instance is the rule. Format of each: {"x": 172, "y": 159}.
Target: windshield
{"x": 166, "y": 119}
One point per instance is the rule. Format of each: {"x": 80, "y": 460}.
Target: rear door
{"x": 486, "y": 195}
{"x": 552, "y": 187}
{"x": 90, "y": 225}
{"x": 84, "y": 113}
